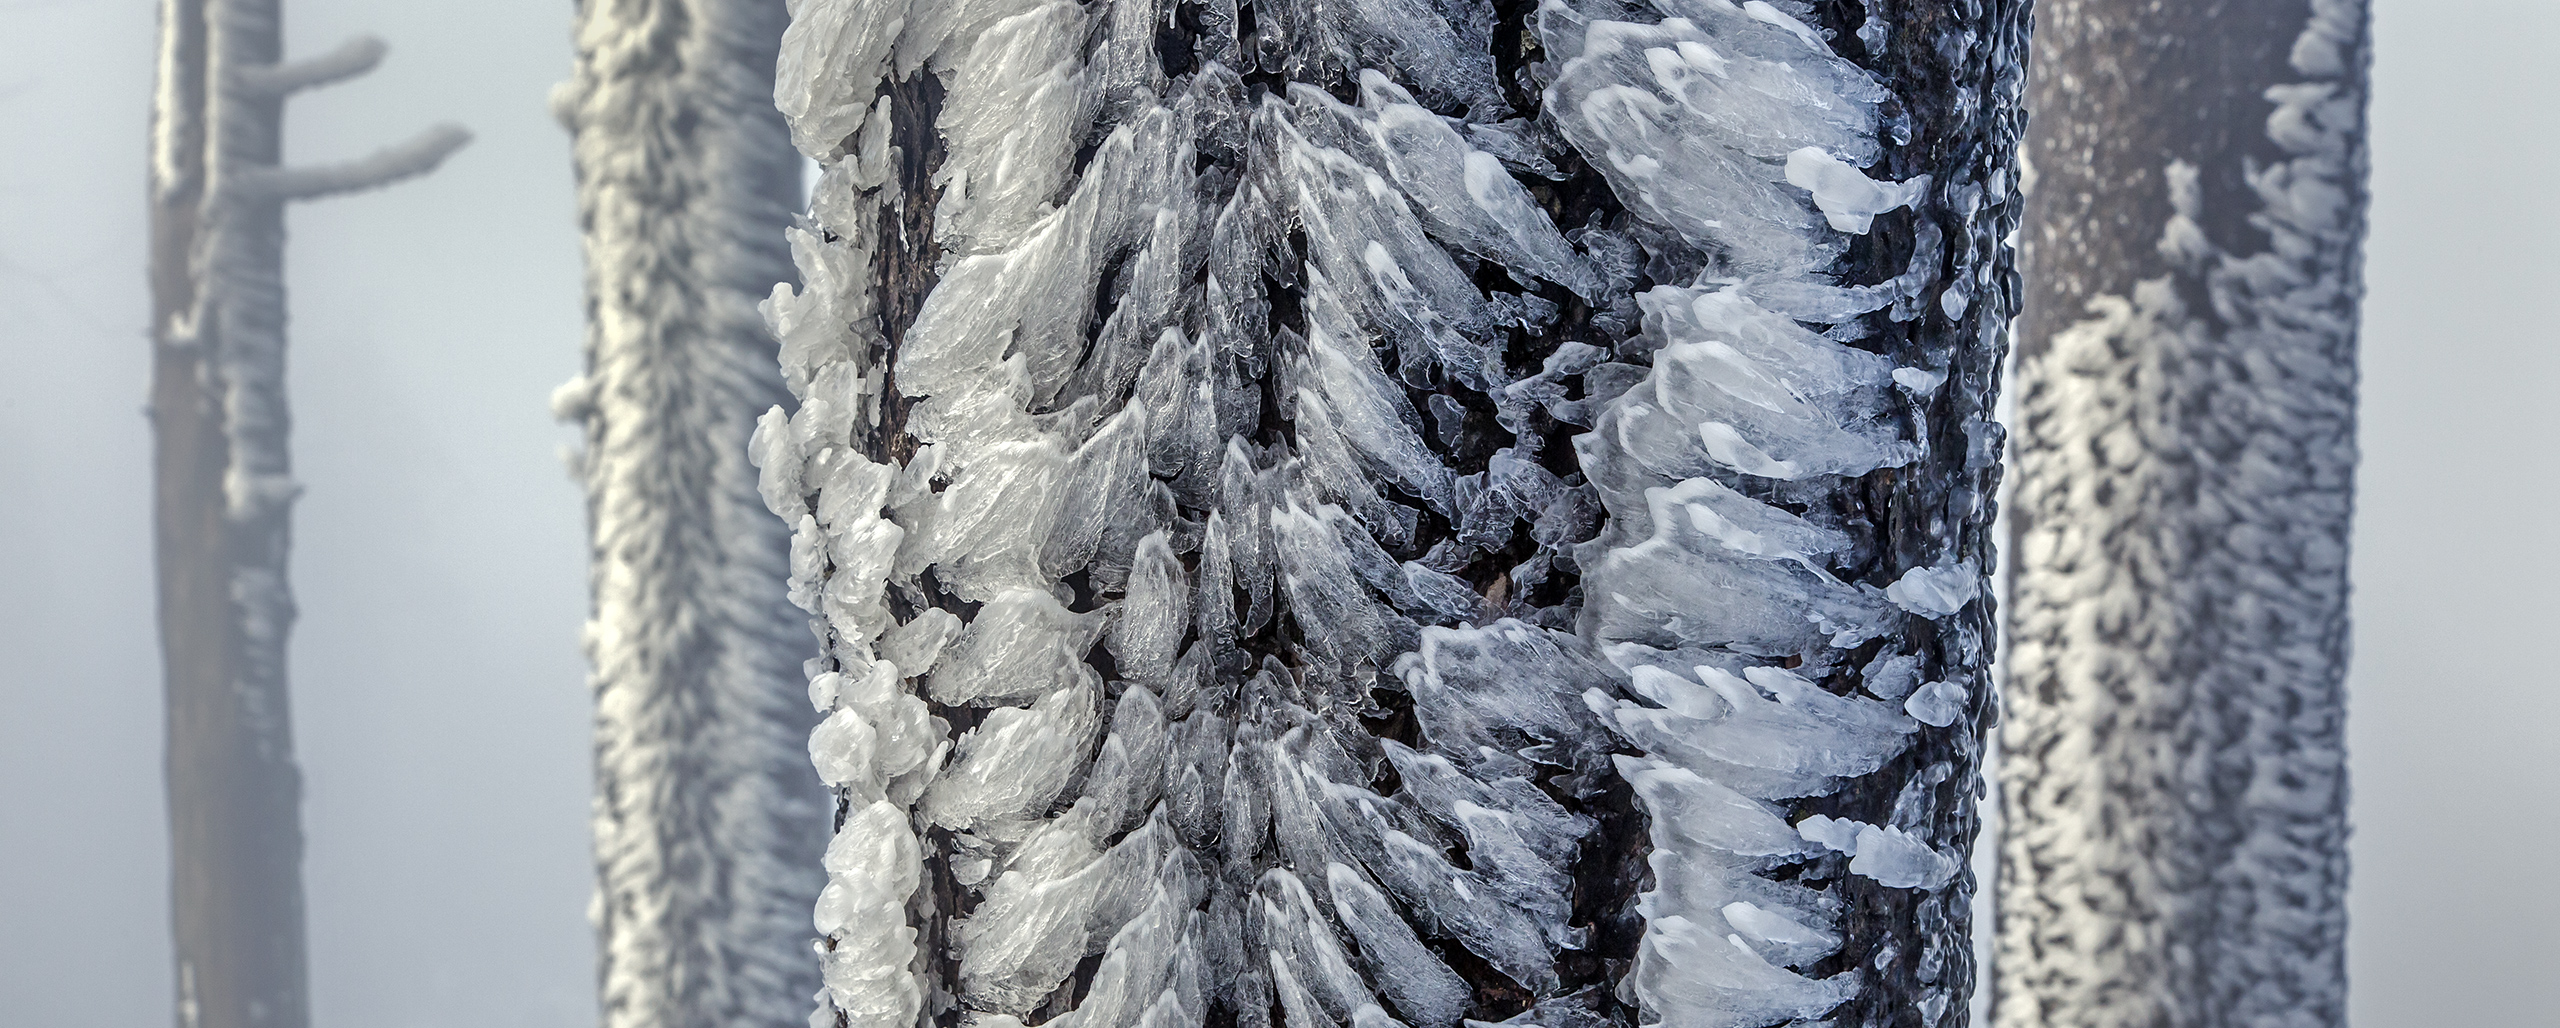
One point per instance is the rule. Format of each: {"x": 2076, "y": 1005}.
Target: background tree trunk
{"x": 224, "y": 488}
{"x": 1183, "y": 385}
{"x": 2176, "y": 773}
{"x": 708, "y": 821}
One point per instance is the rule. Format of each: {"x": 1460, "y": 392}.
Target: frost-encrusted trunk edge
{"x": 708, "y": 821}
{"x": 2175, "y": 776}
{"x": 223, "y": 490}
{"x": 1183, "y": 386}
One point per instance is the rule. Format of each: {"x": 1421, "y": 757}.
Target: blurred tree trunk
{"x": 708, "y": 820}
{"x": 223, "y": 491}
{"x": 2175, "y": 753}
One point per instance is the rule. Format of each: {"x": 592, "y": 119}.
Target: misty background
{"x": 440, "y": 705}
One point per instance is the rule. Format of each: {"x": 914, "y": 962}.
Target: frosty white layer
{"x": 708, "y": 825}
{"x": 1149, "y": 559}
{"x": 2176, "y": 843}
{"x": 1736, "y": 128}
{"x": 877, "y": 738}
{"x": 1126, "y": 819}
{"x": 1461, "y": 193}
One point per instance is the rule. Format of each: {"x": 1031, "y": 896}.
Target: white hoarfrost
{"x": 2176, "y": 790}
{"x": 1249, "y": 595}
{"x": 708, "y": 822}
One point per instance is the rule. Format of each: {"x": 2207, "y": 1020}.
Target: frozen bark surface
{"x": 223, "y": 489}
{"x": 2175, "y": 766}
{"x": 1396, "y": 513}
{"x": 708, "y": 820}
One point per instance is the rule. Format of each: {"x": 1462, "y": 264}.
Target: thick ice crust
{"x": 1395, "y": 513}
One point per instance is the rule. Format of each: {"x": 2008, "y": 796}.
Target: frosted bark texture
{"x": 1378, "y": 514}
{"x": 709, "y": 822}
{"x": 224, "y": 489}
{"x": 2176, "y": 779}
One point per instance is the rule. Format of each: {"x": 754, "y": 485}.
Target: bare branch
{"x": 386, "y": 166}
{"x": 352, "y": 58}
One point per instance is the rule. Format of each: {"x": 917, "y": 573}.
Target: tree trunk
{"x": 2176, "y": 773}
{"x": 708, "y": 821}
{"x": 223, "y": 490}
{"x": 1179, "y": 398}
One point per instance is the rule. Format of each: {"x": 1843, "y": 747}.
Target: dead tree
{"x": 224, "y": 489}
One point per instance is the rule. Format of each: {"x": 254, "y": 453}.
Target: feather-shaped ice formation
{"x": 1283, "y": 456}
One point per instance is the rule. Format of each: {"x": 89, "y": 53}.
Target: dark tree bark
{"x": 708, "y": 821}
{"x": 1183, "y": 386}
{"x": 223, "y": 489}
{"x": 2176, "y": 772}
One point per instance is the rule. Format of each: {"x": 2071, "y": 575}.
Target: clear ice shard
{"x": 1849, "y": 199}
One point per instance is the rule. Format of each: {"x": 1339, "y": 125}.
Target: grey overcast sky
{"x": 440, "y": 706}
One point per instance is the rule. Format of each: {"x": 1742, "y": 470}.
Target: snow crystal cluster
{"x": 1301, "y": 499}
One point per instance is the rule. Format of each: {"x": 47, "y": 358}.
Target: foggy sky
{"x": 440, "y": 707}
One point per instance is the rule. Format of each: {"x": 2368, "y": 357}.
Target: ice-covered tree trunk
{"x": 2175, "y": 771}
{"x": 1391, "y": 513}
{"x": 708, "y": 820}
{"x": 224, "y": 488}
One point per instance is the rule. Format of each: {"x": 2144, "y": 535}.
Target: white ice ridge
{"x": 1888, "y": 855}
{"x": 2182, "y": 591}
{"x": 1735, "y": 386}
{"x": 1935, "y": 592}
{"x": 879, "y": 743}
{"x": 1735, "y": 127}
{"x": 1460, "y": 192}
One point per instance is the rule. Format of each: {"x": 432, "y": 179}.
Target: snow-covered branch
{"x": 354, "y": 57}
{"x": 390, "y": 164}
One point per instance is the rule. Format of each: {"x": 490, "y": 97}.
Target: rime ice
{"x": 1293, "y": 545}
